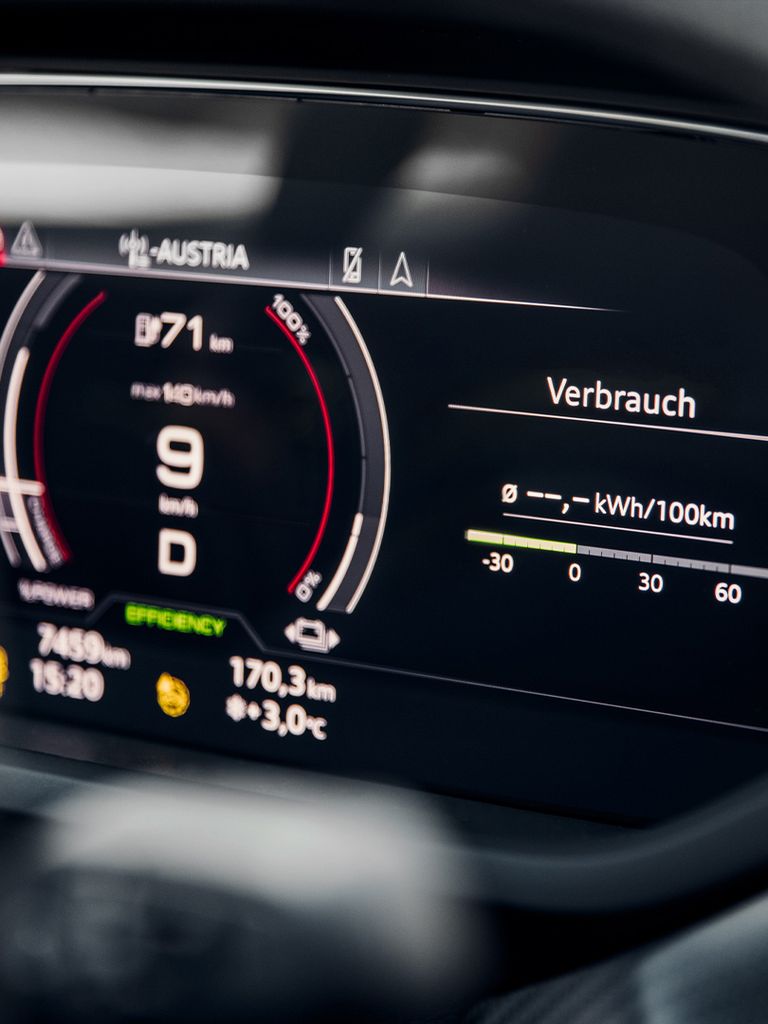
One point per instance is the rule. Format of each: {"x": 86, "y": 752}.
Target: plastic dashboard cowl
{"x": 720, "y": 845}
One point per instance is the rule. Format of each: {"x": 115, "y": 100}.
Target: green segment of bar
{"x": 510, "y": 540}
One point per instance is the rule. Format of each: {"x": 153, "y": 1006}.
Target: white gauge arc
{"x": 18, "y": 521}
{"x": 370, "y": 520}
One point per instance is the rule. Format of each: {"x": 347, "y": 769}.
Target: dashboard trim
{"x": 380, "y": 96}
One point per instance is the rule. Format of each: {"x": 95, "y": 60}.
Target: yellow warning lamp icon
{"x": 3, "y": 669}
{"x": 172, "y": 695}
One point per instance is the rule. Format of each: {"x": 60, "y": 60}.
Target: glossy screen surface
{"x": 423, "y": 445}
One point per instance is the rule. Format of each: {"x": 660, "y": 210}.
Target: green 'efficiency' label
{"x": 174, "y": 620}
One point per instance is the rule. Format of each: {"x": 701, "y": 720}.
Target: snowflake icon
{"x": 237, "y": 707}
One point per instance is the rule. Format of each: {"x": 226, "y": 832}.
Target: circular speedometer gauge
{"x": 213, "y": 446}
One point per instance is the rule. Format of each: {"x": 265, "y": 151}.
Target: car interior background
{"x": 384, "y": 563}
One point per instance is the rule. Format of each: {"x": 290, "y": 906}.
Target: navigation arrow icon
{"x": 27, "y": 244}
{"x": 402, "y": 273}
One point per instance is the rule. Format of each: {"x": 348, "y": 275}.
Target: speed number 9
{"x": 181, "y": 452}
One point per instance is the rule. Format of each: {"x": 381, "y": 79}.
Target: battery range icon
{"x": 312, "y": 635}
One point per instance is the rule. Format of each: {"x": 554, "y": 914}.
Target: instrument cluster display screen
{"x": 367, "y": 437}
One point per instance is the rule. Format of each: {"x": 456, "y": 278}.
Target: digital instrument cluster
{"x": 366, "y": 436}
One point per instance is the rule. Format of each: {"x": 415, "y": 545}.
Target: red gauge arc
{"x": 39, "y": 422}
{"x": 329, "y": 446}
